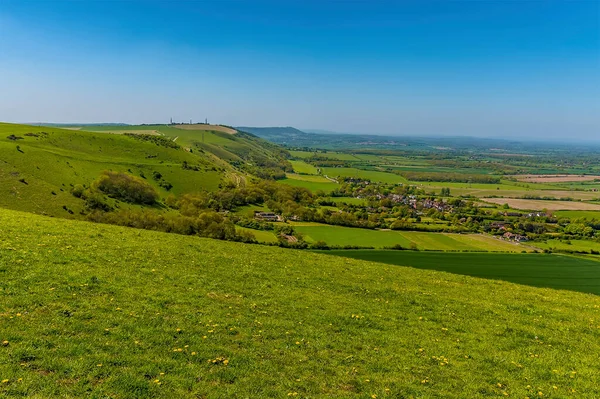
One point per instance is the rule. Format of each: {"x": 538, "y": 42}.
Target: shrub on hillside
{"x": 126, "y": 187}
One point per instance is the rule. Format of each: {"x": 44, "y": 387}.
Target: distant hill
{"x": 76, "y": 124}
{"x": 40, "y": 165}
{"x": 271, "y": 131}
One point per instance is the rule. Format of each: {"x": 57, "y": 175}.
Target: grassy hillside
{"x": 245, "y": 151}
{"x": 89, "y": 310}
{"x": 40, "y": 165}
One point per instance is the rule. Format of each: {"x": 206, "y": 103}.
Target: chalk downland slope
{"x": 243, "y": 151}
{"x": 91, "y": 310}
{"x": 39, "y": 166}
{"x": 206, "y": 127}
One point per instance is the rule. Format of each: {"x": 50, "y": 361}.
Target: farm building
{"x": 514, "y": 237}
{"x": 268, "y": 216}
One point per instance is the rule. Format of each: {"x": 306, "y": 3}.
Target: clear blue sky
{"x": 486, "y": 68}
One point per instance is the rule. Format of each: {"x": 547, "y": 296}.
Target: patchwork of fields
{"x": 341, "y": 236}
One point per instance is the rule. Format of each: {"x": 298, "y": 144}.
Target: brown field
{"x": 203, "y": 126}
{"x": 151, "y": 132}
{"x": 554, "y": 178}
{"x": 538, "y": 205}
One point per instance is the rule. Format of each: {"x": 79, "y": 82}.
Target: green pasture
{"x": 313, "y": 183}
{"x": 348, "y": 236}
{"x": 261, "y": 236}
{"x": 589, "y": 215}
{"x": 568, "y": 245}
{"x": 90, "y": 310}
{"x": 304, "y": 168}
{"x": 537, "y": 270}
{"x": 375, "y": 176}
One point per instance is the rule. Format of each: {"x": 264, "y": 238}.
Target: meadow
{"x": 373, "y": 175}
{"x": 569, "y": 245}
{"x": 342, "y": 236}
{"x": 311, "y": 182}
{"x": 304, "y": 168}
{"x": 589, "y": 215}
{"x": 90, "y": 310}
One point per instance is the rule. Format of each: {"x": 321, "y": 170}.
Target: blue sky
{"x": 485, "y": 68}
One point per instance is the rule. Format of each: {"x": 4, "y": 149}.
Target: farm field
{"x": 341, "y": 236}
{"x": 556, "y": 178}
{"x": 304, "y": 168}
{"x": 313, "y": 183}
{"x": 375, "y": 176}
{"x": 574, "y": 245}
{"x": 538, "y": 205}
{"x": 578, "y": 214}
{"x": 510, "y": 193}
{"x": 504, "y": 185}
{"x": 105, "y": 311}
{"x": 329, "y": 155}
{"x": 261, "y": 235}
{"x": 537, "y": 270}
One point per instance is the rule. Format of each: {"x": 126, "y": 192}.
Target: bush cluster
{"x": 126, "y": 187}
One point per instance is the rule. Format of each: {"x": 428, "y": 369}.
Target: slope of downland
{"x": 243, "y": 150}
{"x": 38, "y": 171}
{"x": 103, "y": 311}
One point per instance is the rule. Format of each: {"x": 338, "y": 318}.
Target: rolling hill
{"x": 104, "y": 311}
{"x": 39, "y": 166}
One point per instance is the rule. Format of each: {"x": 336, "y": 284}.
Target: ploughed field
{"x": 90, "y": 310}
{"x": 527, "y": 204}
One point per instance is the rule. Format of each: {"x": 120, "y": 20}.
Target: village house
{"x": 267, "y": 216}
{"x": 514, "y": 237}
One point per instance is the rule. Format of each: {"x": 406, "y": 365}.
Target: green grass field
{"x": 538, "y": 270}
{"x": 578, "y": 214}
{"x": 92, "y": 310}
{"x": 313, "y": 183}
{"x": 342, "y": 236}
{"x": 261, "y": 235}
{"x": 303, "y": 167}
{"x": 375, "y": 176}
{"x": 568, "y": 245}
